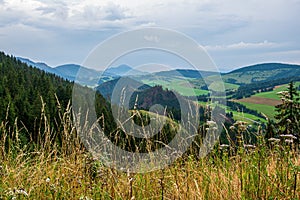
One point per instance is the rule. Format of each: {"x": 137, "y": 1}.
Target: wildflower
{"x": 211, "y": 123}
{"x": 10, "y": 192}
{"x": 21, "y": 191}
{"x": 288, "y": 136}
{"x": 289, "y": 141}
{"x": 224, "y": 146}
{"x": 47, "y": 180}
{"x": 249, "y": 146}
{"x": 274, "y": 140}
{"x": 85, "y": 198}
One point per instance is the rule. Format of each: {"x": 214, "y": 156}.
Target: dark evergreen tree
{"x": 22, "y": 91}
{"x": 270, "y": 129}
{"x": 288, "y": 112}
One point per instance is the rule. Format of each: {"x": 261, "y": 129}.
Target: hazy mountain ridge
{"x": 107, "y": 88}
{"x": 244, "y": 75}
{"x": 39, "y": 65}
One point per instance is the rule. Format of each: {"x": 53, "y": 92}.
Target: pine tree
{"x": 270, "y": 129}
{"x": 288, "y": 113}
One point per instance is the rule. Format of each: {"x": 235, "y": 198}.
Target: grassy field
{"x": 240, "y": 116}
{"x": 265, "y": 109}
{"x": 247, "y": 117}
{"x": 69, "y": 172}
{"x": 185, "y": 89}
{"x": 230, "y": 86}
{"x": 264, "y": 102}
{"x": 178, "y": 85}
{"x": 273, "y": 94}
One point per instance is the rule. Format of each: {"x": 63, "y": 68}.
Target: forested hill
{"x": 261, "y": 72}
{"x": 21, "y": 89}
{"x": 266, "y": 67}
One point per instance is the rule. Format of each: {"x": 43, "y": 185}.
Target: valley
{"x": 259, "y": 83}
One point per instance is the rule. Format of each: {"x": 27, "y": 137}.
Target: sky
{"x": 235, "y": 33}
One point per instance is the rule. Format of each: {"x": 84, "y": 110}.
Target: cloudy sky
{"x": 235, "y": 33}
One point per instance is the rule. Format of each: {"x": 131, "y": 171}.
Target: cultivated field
{"x": 260, "y": 100}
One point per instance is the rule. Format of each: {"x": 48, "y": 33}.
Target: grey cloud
{"x": 108, "y": 12}
{"x": 9, "y": 17}
{"x": 60, "y": 11}
{"x": 46, "y": 10}
{"x": 114, "y": 12}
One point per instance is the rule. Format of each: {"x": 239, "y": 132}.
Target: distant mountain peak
{"x": 123, "y": 66}
{"x": 124, "y": 70}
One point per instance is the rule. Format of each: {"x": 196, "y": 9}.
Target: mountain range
{"x": 241, "y": 83}
{"x": 244, "y": 75}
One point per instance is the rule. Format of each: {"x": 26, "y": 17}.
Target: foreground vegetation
{"x": 47, "y": 170}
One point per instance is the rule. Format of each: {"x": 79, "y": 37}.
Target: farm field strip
{"x": 260, "y": 100}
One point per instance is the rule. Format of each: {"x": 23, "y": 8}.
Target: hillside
{"x": 26, "y": 92}
{"x": 155, "y": 95}
{"x": 187, "y": 73}
{"x": 39, "y": 65}
{"x": 261, "y": 72}
{"x": 69, "y": 72}
{"x": 106, "y": 88}
{"x": 21, "y": 87}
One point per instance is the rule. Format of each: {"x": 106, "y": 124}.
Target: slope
{"x": 261, "y": 72}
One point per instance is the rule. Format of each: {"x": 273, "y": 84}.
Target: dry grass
{"x": 68, "y": 172}
{"x": 73, "y": 178}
